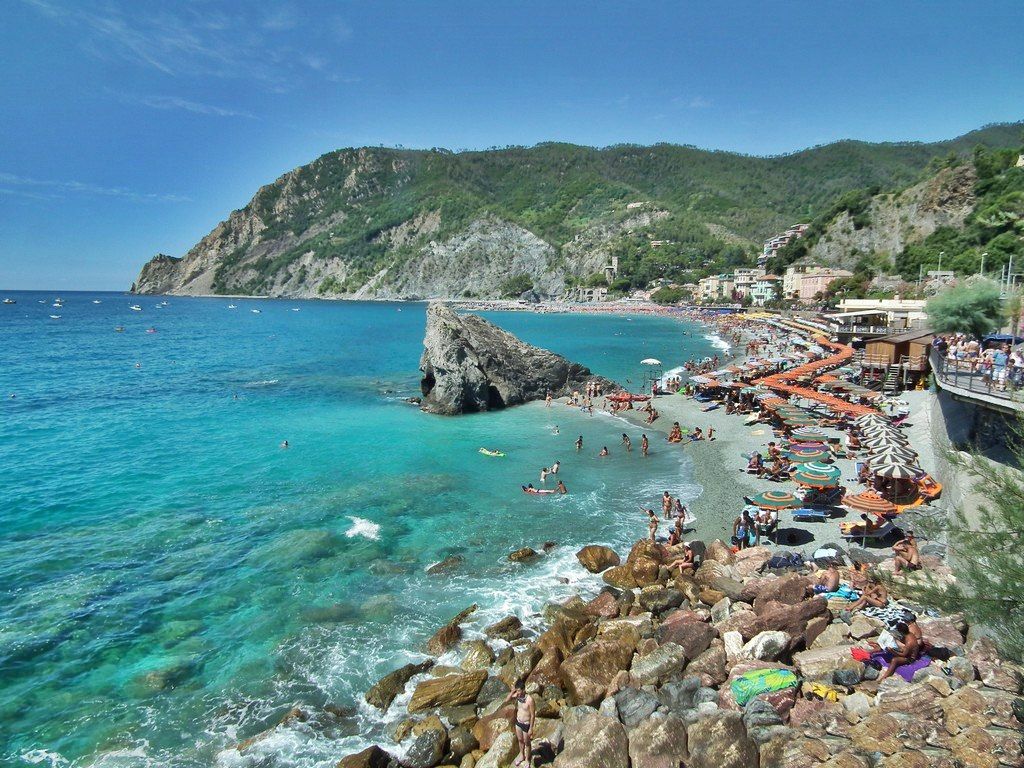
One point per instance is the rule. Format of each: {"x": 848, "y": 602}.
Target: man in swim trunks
{"x": 560, "y": 488}
{"x": 579, "y": 443}
{"x": 644, "y": 444}
{"x": 666, "y": 505}
{"x": 526, "y": 713}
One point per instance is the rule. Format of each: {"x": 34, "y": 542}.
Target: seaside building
{"x": 584, "y": 295}
{"x": 765, "y": 289}
{"x": 899, "y": 314}
{"x": 803, "y": 282}
{"x": 716, "y": 288}
{"x": 744, "y": 279}
{"x": 773, "y": 244}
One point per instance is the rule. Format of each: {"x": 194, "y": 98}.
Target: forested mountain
{"x": 377, "y": 222}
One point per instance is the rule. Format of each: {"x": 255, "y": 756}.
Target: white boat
{"x": 55, "y": 317}
{"x": 96, "y": 301}
{"x": 10, "y": 301}
{"x": 295, "y": 309}
{"x": 256, "y": 311}
{"x": 135, "y": 308}
{"x": 58, "y": 305}
{"x": 231, "y": 306}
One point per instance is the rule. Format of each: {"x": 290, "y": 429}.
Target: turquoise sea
{"x": 173, "y": 581}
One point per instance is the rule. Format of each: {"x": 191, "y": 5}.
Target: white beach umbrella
{"x": 880, "y": 441}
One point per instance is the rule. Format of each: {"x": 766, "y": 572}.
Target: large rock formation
{"x": 471, "y": 365}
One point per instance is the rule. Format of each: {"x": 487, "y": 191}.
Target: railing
{"x": 881, "y": 330}
{"x": 964, "y": 376}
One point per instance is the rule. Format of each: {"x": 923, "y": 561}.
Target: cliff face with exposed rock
{"x": 895, "y": 221}
{"x": 471, "y": 365}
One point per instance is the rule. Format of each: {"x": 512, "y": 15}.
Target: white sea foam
{"x": 41, "y": 756}
{"x": 363, "y": 527}
{"x": 718, "y": 342}
{"x": 262, "y": 383}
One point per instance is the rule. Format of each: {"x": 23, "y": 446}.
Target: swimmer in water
{"x": 627, "y": 442}
{"x": 604, "y": 451}
{"x": 579, "y": 443}
{"x": 555, "y": 467}
{"x": 284, "y": 443}
{"x": 556, "y": 430}
{"x": 560, "y": 488}
{"x": 645, "y": 444}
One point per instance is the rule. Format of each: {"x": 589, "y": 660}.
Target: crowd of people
{"x": 997, "y": 363}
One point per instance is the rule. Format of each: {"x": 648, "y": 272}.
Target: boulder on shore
{"x": 471, "y": 365}
{"x": 447, "y": 691}
{"x": 596, "y": 558}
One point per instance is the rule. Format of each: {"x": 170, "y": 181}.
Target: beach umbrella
{"x": 806, "y": 434}
{"x": 650, "y": 361}
{"x": 775, "y": 500}
{"x": 881, "y": 440}
{"x": 893, "y": 451}
{"x": 750, "y": 390}
{"x": 826, "y": 477}
{"x": 869, "y": 501}
{"x": 805, "y": 455}
{"x": 871, "y": 418}
{"x": 799, "y": 421}
{"x": 895, "y": 471}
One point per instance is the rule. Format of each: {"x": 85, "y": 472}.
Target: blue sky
{"x": 132, "y": 127}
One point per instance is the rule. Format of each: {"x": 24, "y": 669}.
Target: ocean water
{"x": 172, "y": 581}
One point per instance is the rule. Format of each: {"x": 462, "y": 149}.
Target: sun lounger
{"x": 806, "y": 514}
{"x": 876, "y": 535}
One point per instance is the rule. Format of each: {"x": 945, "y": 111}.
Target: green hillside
{"x": 363, "y": 208}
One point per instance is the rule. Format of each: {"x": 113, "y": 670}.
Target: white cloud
{"x": 202, "y": 39}
{"x": 186, "y": 105}
{"x": 52, "y": 189}
{"x": 692, "y": 102}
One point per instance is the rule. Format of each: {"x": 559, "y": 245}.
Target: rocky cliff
{"x": 471, "y": 365}
{"x": 894, "y": 221}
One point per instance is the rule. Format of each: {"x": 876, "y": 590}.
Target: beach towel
{"x": 844, "y": 592}
{"x": 891, "y": 615}
{"x": 758, "y": 681}
{"x": 907, "y": 671}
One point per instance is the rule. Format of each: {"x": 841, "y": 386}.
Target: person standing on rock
{"x": 652, "y": 524}
{"x": 526, "y": 713}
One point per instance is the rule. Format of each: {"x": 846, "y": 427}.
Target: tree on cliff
{"x": 985, "y": 547}
{"x": 974, "y": 308}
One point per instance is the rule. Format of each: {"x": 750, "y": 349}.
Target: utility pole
{"x": 941, "y": 254}
{"x": 981, "y": 272}
{"x": 920, "y": 271}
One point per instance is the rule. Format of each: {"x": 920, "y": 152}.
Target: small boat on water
{"x": 135, "y": 308}
{"x": 58, "y": 305}
{"x": 120, "y": 329}
{"x": 151, "y": 330}
{"x": 10, "y": 301}
{"x": 256, "y": 311}
{"x": 55, "y": 317}
{"x": 295, "y": 309}
{"x": 231, "y": 306}
{"x": 96, "y": 301}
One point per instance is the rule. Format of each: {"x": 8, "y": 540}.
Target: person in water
{"x": 579, "y": 443}
{"x": 526, "y": 713}
{"x": 645, "y": 444}
{"x": 604, "y": 451}
{"x": 284, "y": 443}
{"x": 560, "y": 488}
{"x": 543, "y": 475}
{"x": 555, "y": 466}
{"x": 666, "y": 504}
{"x": 627, "y": 442}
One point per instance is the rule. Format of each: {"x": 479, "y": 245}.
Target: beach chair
{"x": 878, "y": 534}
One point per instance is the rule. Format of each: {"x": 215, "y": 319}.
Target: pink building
{"x": 813, "y": 283}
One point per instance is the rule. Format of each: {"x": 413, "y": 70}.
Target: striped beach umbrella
{"x": 896, "y": 471}
{"x": 827, "y": 477}
{"x": 869, "y": 501}
{"x": 891, "y": 453}
{"x": 808, "y": 435}
{"x": 804, "y": 455}
{"x": 870, "y": 418}
{"x": 775, "y": 500}
{"x": 879, "y": 441}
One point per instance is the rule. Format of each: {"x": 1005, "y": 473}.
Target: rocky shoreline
{"x": 642, "y": 675}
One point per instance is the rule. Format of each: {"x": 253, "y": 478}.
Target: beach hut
{"x": 912, "y": 346}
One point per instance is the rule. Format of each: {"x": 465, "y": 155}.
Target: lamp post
{"x": 982, "y": 270}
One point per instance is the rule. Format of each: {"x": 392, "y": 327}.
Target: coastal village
{"x": 799, "y": 640}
